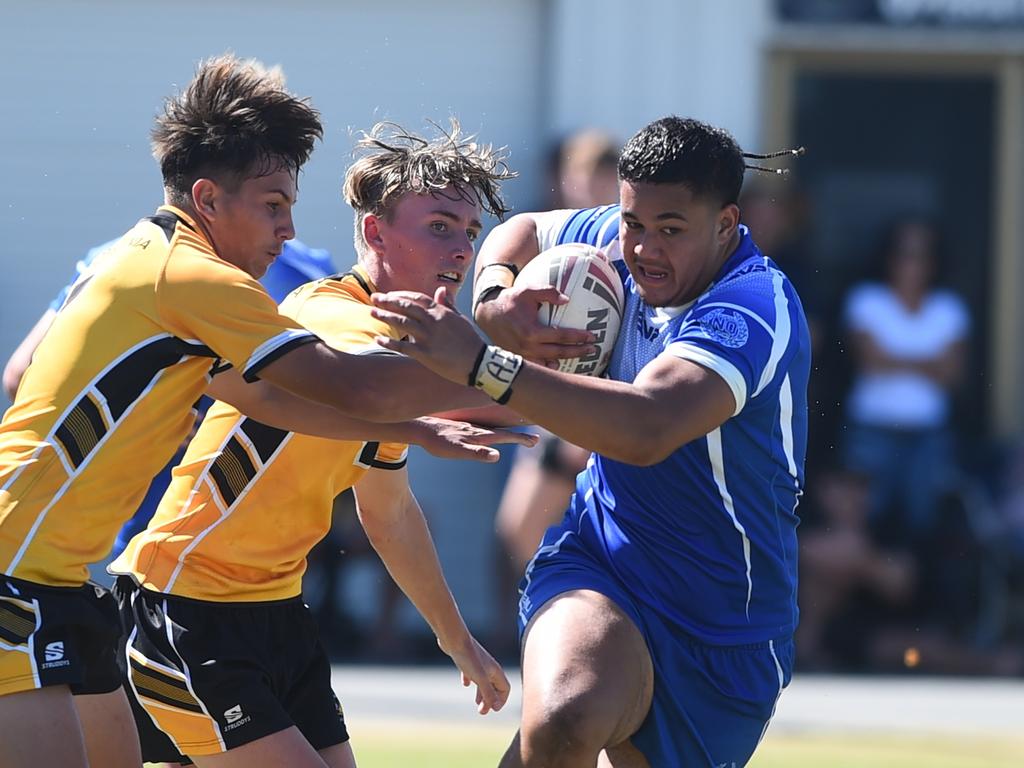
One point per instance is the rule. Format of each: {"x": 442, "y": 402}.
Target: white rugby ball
{"x": 584, "y": 274}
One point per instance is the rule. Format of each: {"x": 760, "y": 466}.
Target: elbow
{"x": 11, "y": 380}
{"x": 644, "y": 447}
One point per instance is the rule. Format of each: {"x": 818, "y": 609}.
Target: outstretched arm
{"x": 671, "y": 402}
{"x": 374, "y": 387}
{"x": 396, "y": 528}
{"x": 281, "y": 409}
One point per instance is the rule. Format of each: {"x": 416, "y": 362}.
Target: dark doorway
{"x": 884, "y": 146}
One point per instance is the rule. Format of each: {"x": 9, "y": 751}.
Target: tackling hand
{"x": 433, "y": 333}
{"x": 511, "y": 321}
{"x": 449, "y": 439}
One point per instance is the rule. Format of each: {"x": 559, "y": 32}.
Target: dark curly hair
{"x": 235, "y": 120}
{"x": 675, "y": 150}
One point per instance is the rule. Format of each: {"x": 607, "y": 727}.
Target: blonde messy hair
{"x": 394, "y": 161}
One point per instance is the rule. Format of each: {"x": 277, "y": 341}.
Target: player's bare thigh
{"x": 110, "y": 736}
{"x": 41, "y": 727}
{"x": 288, "y": 747}
{"x": 582, "y": 648}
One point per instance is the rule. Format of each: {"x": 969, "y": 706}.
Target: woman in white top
{"x": 908, "y": 338}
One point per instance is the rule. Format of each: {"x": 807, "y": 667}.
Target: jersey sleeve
{"x": 595, "y": 226}
{"x": 339, "y": 318}
{"x": 385, "y": 455}
{"x": 344, "y": 322}
{"x": 221, "y": 307}
{"x": 743, "y": 332}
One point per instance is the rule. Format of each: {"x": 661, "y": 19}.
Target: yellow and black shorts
{"x": 205, "y": 677}
{"x": 57, "y": 636}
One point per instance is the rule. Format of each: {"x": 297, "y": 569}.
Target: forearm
{"x": 513, "y": 242}
{"x": 615, "y": 419}
{"x": 279, "y": 408}
{"x": 285, "y": 410}
{"x": 378, "y": 388}
{"x": 401, "y": 538}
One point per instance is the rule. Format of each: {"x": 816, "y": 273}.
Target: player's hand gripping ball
{"x": 584, "y": 274}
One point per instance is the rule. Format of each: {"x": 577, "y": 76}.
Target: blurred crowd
{"x": 912, "y": 535}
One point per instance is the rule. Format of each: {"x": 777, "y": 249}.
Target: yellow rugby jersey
{"x": 248, "y": 501}
{"x": 108, "y": 397}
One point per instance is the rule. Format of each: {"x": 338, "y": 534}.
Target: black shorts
{"x": 205, "y": 677}
{"x": 57, "y": 636}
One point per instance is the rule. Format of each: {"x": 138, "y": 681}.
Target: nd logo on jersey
{"x": 726, "y": 327}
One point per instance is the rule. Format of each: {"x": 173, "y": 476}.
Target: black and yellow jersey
{"x": 109, "y": 394}
{"x": 248, "y": 501}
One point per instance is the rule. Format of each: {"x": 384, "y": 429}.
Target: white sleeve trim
{"x": 729, "y": 373}
{"x": 270, "y": 346}
{"x": 373, "y": 349}
{"x": 549, "y": 224}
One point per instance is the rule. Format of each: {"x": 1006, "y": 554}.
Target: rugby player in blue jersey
{"x": 657, "y": 618}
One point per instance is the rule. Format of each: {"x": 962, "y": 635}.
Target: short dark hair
{"x": 394, "y": 161}
{"x": 675, "y": 150}
{"x": 235, "y": 120}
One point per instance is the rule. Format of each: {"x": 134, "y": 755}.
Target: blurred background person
{"x": 849, "y": 584}
{"x": 582, "y": 174}
{"x": 908, "y": 338}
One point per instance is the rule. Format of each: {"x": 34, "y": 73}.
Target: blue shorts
{"x": 711, "y": 703}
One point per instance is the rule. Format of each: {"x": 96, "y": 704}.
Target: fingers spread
{"x": 506, "y": 437}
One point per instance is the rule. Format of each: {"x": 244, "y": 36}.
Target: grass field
{"x": 401, "y": 747}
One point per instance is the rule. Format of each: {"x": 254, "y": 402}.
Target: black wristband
{"x": 471, "y": 382}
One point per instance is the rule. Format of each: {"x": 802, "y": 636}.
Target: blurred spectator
{"x": 848, "y": 584}
{"x": 583, "y": 172}
{"x": 908, "y": 339}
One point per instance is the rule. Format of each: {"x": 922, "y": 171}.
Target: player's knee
{"x": 568, "y": 732}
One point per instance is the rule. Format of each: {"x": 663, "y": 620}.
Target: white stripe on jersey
{"x": 613, "y": 221}
{"x": 30, "y": 536}
{"x": 238, "y": 432}
{"x": 780, "y": 340}
{"x": 714, "y": 439}
{"x": 725, "y": 369}
{"x": 786, "y": 424}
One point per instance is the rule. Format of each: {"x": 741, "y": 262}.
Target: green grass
{"x": 402, "y": 746}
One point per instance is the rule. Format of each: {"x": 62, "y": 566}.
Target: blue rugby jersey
{"x": 707, "y": 537}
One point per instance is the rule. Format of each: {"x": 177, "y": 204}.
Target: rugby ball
{"x": 584, "y": 274}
